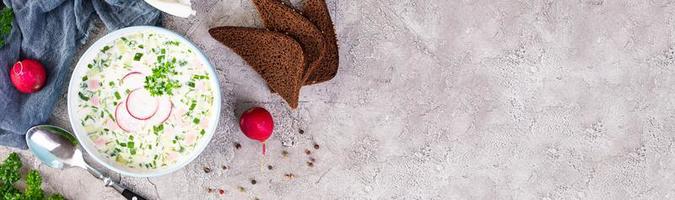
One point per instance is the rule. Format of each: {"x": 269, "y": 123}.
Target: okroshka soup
{"x": 145, "y": 100}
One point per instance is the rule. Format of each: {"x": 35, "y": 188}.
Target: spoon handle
{"x": 110, "y": 183}
{"x": 131, "y": 195}
{"x": 122, "y": 190}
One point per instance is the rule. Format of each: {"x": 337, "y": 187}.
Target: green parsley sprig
{"x": 10, "y": 173}
{"x": 6, "y": 19}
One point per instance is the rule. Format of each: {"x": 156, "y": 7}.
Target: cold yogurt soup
{"x": 145, "y": 100}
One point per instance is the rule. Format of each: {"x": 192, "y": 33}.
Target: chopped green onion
{"x": 193, "y": 105}
{"x": 138, "y": 56}
{"x": 82, "y": 96}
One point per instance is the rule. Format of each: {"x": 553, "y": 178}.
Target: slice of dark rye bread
{"x": 281, "y": 18}
{"x": 278, "y": 58}
{"x": 316, "y": 11}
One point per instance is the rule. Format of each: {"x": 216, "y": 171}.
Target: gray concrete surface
{"x": 435, "y": 99}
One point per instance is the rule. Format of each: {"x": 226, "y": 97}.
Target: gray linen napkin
{"x": 51, "y": 31}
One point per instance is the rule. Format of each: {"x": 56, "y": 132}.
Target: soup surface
{"x": 145, "y": 100}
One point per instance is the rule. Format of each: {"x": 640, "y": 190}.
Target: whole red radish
{"x": 257, "y": 123}
{"x": 28, "y": 76}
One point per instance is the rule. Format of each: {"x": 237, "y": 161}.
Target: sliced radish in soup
{"x": 125, "y": 121}
{"x": 141, "y": 105}
{"x": 163, "y": 111}
{"x": 133, "y": 80}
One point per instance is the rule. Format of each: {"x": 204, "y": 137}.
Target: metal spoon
{"x": 57, "y": 148}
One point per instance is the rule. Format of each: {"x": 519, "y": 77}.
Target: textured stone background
{"x": 435, "y": 99}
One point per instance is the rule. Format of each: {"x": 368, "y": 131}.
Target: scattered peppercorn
{"x": 316, "y": 146}
{"x": 224, "y": 167}
{"x": 242, "y": 189}
{"x": 207, "y": 170}
{"x": 284, "y": 153}
{"x": 253, "y": 181}
{"x": 312, "y": 159}
{"x": 310, "y": 164}
{"x": 221, "y": 191}
{"x": 270, "y": 167}
{"x": 289, "y": 175}
{"x": 210, "y": 190}
{"x": 301, "y": 131}
{"x": 237, "y": 145}
{"x": 307, "y": 151}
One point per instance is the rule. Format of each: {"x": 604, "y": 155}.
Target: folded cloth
{"x": 51, "y": 31}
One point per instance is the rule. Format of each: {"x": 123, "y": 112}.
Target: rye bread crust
{"x": 278, "y": 58}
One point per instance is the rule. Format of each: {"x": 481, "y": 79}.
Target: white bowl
{"x": 85, "y": 141}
